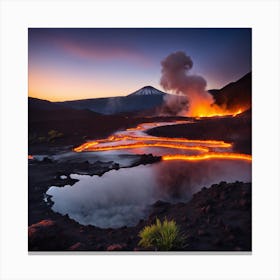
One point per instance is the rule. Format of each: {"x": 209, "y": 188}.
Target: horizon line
{"x": 116, "y": 96}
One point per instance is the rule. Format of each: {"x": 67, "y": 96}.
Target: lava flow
{"x": 93, "y": 148}
{"x": 136, "y": 138}
{"x": 208, "y": 143}
{"x": 208, "y": 156}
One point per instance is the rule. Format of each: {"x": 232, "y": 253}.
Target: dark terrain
{"x": 218, "y": 218}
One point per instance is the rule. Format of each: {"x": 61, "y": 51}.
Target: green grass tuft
{"x": 161, "y": 236}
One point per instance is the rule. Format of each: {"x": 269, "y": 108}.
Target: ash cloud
{"x": 176, "y": 77}
{"x": 190, "y": 90}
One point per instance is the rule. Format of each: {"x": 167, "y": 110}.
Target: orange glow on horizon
{"x": 55, "y": 86}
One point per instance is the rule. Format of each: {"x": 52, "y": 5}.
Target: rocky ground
{"x": 217, "y": 218}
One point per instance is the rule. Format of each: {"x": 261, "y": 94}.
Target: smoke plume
{"x": 190, "y": 91}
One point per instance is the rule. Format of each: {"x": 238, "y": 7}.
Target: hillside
{"x": 235, "y": 94}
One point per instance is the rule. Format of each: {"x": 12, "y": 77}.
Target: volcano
{"x": 147, "y": 91}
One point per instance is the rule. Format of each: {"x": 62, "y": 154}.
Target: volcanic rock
{"x": 77, "y": 247}
{"x": 47, "y": 160}
{"x": 116, "y": 247}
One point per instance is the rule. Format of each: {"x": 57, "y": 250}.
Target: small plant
{"x": 54, "y": 134}
{"x": 41, "y": 139}
{"x": 162, "y": 236}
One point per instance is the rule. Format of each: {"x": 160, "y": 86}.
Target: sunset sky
{"x": 74, "y": 63}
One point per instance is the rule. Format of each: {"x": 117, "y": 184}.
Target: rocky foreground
{"x": 217, "y": 218}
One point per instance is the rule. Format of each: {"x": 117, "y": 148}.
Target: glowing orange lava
{"x": 199, "y": 144}
{"x": 207, "y": 148}
{"x": 93, "y": 148}
{"x": 85, "y": 146}
{"x": 204, "y": 107}
{"x": 212, "y": 143}
{"x": 215, "y": 111}
{"x": 208, "y": 156}
{"x": 139, "y": 127}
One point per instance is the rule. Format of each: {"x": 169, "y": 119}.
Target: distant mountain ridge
{"x": 43, "y": 110}
{"x": 145, "y": 98}
{"x": 146, "y": 101}
{"x": 41, "y": 104}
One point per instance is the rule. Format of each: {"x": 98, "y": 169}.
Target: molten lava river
{"x": 124, "y": 196}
